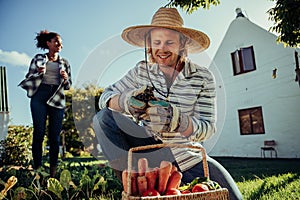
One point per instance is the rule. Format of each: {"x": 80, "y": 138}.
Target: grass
{"x": 270, "y": 179}
{"x": 262, "y": 179}
{"x": 257, "y": 179}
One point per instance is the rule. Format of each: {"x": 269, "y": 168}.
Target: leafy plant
{"x": 75, "y": 180}
{"x": 7, "y": 186}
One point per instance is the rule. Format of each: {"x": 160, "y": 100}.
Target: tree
{"x": 192, "y": 5}
{"x": 287, "y": 21}
{"x": 81, "y": 106}
{"x": 285, "y": 16}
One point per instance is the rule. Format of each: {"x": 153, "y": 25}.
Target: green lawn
{"x": 265, "y": 178}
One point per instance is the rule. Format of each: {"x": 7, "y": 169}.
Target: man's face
{"x": 165, "y": 44}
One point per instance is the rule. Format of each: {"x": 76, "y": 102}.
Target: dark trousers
{"x": 117, "y": 134}
{"x": 40, "y": 110}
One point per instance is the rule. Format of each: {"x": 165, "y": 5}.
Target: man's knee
{"x": 101, "y": 114}
{"x": 99, "y": 119}
{"x": 102, "y": 117}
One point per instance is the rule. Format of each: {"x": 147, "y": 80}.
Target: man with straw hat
{"x": 165, "y": 98}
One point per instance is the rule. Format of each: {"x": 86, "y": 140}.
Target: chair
{"x": 269, "y": 145}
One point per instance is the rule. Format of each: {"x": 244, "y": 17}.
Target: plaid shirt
{"x": 193, "y": 92}
{"x": 33, "y": 79}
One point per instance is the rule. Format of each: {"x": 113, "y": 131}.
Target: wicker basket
{"x": 219, "y": 194}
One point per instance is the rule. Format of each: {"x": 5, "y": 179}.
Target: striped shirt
{"x": 192, "y": 92}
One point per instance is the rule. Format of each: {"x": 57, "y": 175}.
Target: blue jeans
{"x": 40, "y": 110}
{"x": 117, "y": 134}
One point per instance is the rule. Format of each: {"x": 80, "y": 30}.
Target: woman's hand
{"x": 64, "y": 74}
{"x": 41, "y": 70}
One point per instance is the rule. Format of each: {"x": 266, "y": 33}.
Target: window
{"x": 243, "y": 60}
{"x": 251, "y": 121}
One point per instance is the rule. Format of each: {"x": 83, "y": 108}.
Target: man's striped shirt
{"x": 193, "y": 93}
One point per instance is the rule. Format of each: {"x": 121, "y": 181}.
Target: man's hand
{"x": 161, "y": 116}
{"x": 130, "y": 103}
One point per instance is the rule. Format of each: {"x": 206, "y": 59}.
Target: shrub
{"x": 16, "y": 148}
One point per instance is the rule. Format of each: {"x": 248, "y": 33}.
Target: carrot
{"x": 151, "y": 175}
{"x": 163, "y": 175}
{"x": 142, "y": 184}
{"x": 174, "y": 180}
{"x": 142, "y": 166}
{"x": 174, "y": 168}
{"x": 124, "y": 179}
{"x": 133, "y": 176}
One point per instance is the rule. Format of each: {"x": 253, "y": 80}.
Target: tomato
{"x": 200, "y": 188}
{"x": 185, "y": 192}
{"x": 150, "y": 193}
{"x": 173, "y": 191}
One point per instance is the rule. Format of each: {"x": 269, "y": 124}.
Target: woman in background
{"x": 48, "y": 76}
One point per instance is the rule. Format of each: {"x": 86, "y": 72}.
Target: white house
{"x": 262, "y": 96}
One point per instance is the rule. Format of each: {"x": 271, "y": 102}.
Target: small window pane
{"x": 248, "y": 61}
{"x": 245, "y": 123}
{"x": 251, "y": 121}
{"x": 237, "y": 62}
{"x": 257, "y": 123}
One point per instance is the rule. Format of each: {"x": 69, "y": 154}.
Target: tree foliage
{"x": 16, "y": 148}
{"x": 287, "y": 21}
{"x": 82, "y": 105}
{"x": 192, "y": 5}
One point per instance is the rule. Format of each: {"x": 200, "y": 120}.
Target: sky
{"x": 91, "y": 30}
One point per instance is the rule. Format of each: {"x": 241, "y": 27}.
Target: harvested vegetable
{"x": 163, "y": 175}
{"x": 151, "y": 175}
{"x": 174, "y": 180}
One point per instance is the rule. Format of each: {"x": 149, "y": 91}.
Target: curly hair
{"x": 43, "y": 37}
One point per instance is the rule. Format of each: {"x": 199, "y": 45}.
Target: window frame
{"x": 238, "y": 60}
{"x": 242, "y": 112}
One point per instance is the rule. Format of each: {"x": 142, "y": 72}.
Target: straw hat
{"x": 167, "y": 18}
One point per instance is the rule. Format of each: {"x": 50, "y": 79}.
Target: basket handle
{"x": 170, "y": 145}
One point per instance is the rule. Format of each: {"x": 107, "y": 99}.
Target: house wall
{"x": 279, "y": 97}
